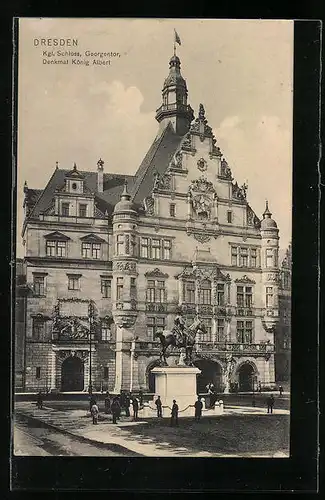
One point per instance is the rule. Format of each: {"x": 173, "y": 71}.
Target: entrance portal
{"x": 246, "y": 378}
{"x": 72, "y": 374}
{"x": 210, "y": 372}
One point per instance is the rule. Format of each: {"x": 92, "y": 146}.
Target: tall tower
{"x": 124, "y": 289}
{"x": 270, "y": 284}
{"x": 174, "y": 108}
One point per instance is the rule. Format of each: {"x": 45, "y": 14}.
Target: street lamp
{"x": 253, "y": 382}
{"x": 91, "y": 320}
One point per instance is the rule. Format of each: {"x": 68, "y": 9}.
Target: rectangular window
{"x": 269, "y": 257}
{"x": 106, "y": 332}
{"x": 253, "y": 257}
{"x": 105, "y": 285}
{"x": 156, "y": 292}
{"x": 275, "y": 257}
{"x": 234, "y": 256}
{"x": 105, "y": 375}
{"x": 95, "y": 251}
{"x": 269, "y": 296}
{"x": 245, "y": 332}
{"x": 172, "y": 210}
{"x": 229, "y": 217}
{"x": 82, "y": 210}
{"x": 65, "y": 209}
{"x": 120, "y": 244}
{"x": 38, "y": 329}
{"x": 205, "y": 292}
{"x": 73, "y": 282}
{"x": 119, "y": 289}
{"x": 145, "y": 248}
{"x": 51, "y": 248}
{"x": 220, "y": 294}
{"x": 244, "y": 257}
{"x": 244, "y": 296}
{"x": 220, "y": 330}
{"x": 155, "y": 249}
{"x": 155, "y": 325}
{"x": 38, "y": 372}
{"x": 240, "y": 296}
{"x": 133, "y": 288}
{"x": 248, "y": 296}
{"x": 206, "y": 337}
{"x": 61, "y": 248}
{"x": 39, "y": 286}
{"x": 167, "y": 249}
{"x": 86, "y": 250}
{"x": 189, "y": 292}
{"x": 133, "y": 244}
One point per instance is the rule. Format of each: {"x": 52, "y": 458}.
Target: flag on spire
{"x": 177, "y": 38}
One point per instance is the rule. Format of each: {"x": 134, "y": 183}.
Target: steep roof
{"x": 156, "y": 160}
{"x": 40, "y": 200}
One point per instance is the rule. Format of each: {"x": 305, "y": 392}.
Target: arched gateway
{"x": 246, "y": 377}
{"x": 211, "y": 371}
{"x": 72, "y": 374}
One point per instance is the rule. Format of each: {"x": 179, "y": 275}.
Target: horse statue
{"x": 181, "y": 337}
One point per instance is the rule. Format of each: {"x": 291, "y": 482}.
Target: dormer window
{"x": 56, "y": 244}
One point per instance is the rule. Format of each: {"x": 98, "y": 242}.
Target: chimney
{"x": 100, "y": 176}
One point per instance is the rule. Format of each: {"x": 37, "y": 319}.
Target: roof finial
{"x": 56, "y": 165}
{"x": 201, "y": 112}
{"x": 75, "y": 166}
{"x": 25, "y": 187}
{"x": 125, "y": 195}
{"x": 267, "y": 212}
{"x": 100, "y": 164}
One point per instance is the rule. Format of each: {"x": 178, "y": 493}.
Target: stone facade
{"x": 283, "y": 332}
{"x": 111, "y": 269}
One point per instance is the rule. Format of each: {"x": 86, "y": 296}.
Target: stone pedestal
{"x": 178, "y": 383}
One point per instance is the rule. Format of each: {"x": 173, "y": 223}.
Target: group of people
{"x": 114, "y": 405}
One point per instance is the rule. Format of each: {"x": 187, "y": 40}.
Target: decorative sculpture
{"x": 180, "y": 337}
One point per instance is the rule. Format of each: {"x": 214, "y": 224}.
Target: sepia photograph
{"x": 153, "y": 247}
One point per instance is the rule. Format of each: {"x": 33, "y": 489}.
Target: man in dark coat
{"x": 198, "y": 409}
{"x": 280, "y": 390}
{"x": 135, "y": 404}
{"x": 115, "y": 409}
{"x": 92, "y": 401}
{"x": 141, "y": 398}
{"x": 39, "y": 401}
{"x": 127, "y": 405}
{"x": 270, "y": 403}
{"x": 107, "y": 402}
{"x": 159, "y": 406}
{"x": 174, "y": 414}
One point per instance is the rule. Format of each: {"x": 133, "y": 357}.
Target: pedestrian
{"x": 159, "y": 406}
{"x": 127, "y": 402}
{"x": 107, "y": 403}
{"x": 92, "y": 401}
{"x": 270, "y": 403}
{"x": 95, "y": 412}
{"x": 198, "y": 409}
{"x": 174, "y": 414}
{"x": 141, "y": 398}
{"x": 135, "y": 404}
{"x": 259, "y": 386}
{"x": 39, "y": 401}
{"x": 115, "y": 409}
{"x": 280, "y": 390}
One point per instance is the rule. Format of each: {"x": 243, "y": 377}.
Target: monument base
{"x": 179, "y": 383}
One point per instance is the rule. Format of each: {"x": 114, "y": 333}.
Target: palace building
{"x": 111, "y": 260}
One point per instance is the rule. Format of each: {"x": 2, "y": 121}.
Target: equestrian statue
{"x": 181, "y": 337}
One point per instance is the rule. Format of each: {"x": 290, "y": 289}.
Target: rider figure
{"x": 180, "y": 326}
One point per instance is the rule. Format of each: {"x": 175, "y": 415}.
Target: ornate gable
{"x": 92, "y": 238}
{"x": 56, "y": 236}
{"x": 156, "y": 273}
{"x": 246, "y": 280}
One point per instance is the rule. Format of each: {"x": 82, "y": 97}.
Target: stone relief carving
{"x": 225, "y": 170}
{"x": 273, "y": 277}
{"x": 124, "y": 266}
{"x": 202, "y": 237}
{"x": 187, "y": 143}
{"x": 239, "y": 193}
{"x": 201, "y": 185}
{"x": 245, "y": 279}
{"x": 156, "y": 273}
{"x": 127, "y": 243}
{"x": 202, "y": 165}
{"x": 149, "y": 205}
{"x": 200, "y": 125}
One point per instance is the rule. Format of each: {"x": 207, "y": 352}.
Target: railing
{"x": 235, "y": 347}
{"x": 205, "y": 309}
{"x": 244, "y": 311}
{"x": 173, "y": 107}
{"x": 156, "y": 307}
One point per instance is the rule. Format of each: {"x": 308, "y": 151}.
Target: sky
{"x": 240, "y": 70}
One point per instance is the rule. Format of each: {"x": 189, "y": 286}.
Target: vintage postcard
{"x": 154, "y": 205}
